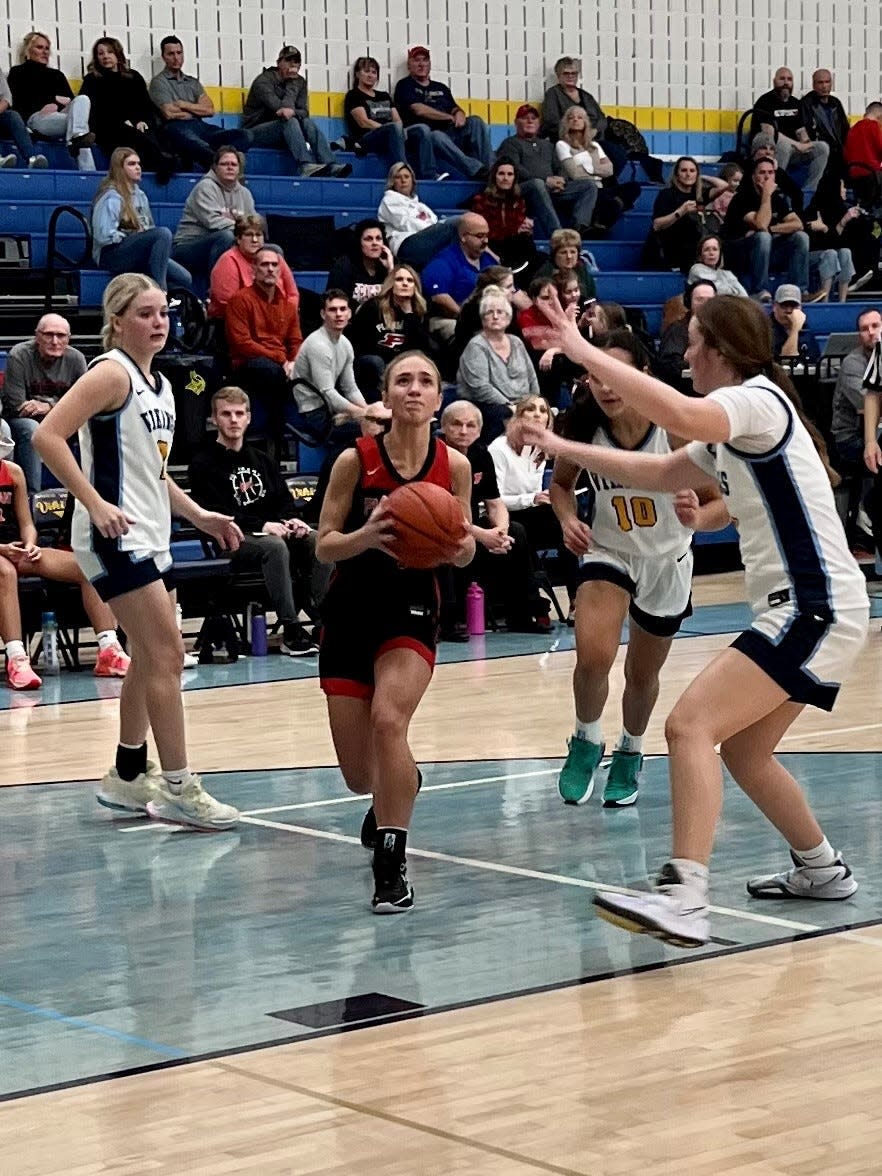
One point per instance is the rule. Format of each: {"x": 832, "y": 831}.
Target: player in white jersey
{"x": 807, "y": 593}
{"x": 635, "y": 559}
{"x": 125, "y": 417}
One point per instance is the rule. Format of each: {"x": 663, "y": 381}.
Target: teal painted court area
{"x": 127, "y": 944}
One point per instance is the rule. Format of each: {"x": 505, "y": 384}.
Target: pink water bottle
{"x": 475, "y": 610}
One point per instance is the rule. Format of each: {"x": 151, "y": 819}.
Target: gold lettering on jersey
{"x": 163, "y": 448}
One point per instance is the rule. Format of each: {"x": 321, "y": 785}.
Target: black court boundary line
{"x": 455, "y": 1006}
{"x": 550, "y": 759}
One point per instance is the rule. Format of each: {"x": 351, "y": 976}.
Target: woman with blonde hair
{"x": 393, "y": 322}
{"x": 122, "y": 114}
{"x": 124, "y": 414}
{"x": 124, "y": 237}
{"x": 585, "y": 164}
{"x": 44, "y": 99}
{"x": 413, "y": 230}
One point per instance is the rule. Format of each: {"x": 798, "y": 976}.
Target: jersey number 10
{"x": 634, "y": 512}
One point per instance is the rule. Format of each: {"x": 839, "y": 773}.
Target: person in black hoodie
{"x": 249, "y": 486}
{"x": 122, "y": 114}
{"x": 365, "y": 265}
{"x": 395, "y": 320}
{"x": 46, "y": 103}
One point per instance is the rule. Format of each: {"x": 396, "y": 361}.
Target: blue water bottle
{"x": 3, "y": 355}
{"x": 50, "y": 664}
{"x": 258, "y": 631}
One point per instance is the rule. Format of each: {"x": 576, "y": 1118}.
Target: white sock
{"x": 106, "y": 638}
{"x": 14, "y": 649}
{"x": 630, "y": 743}
{"x": 822, "y": 855}
{"x": 695, "y": 878}
{"x": 589, "y": 731}
{"x": 176, "y": 778}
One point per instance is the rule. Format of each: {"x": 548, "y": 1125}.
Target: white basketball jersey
{"x": 633, "y": 521}
{"x": 124, "y": 454}
{"x": 792, "y": 543}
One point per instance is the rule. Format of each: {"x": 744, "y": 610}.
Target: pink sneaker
{"x": 112, "y": 662}
{"x": 19, "y": 674}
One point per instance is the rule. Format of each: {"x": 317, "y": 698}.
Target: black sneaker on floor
{"x": 296, "y": 642}
{"x": 369, "y": 829}
{"x": 393, "y": 894}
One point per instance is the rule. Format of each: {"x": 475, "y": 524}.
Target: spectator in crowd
{"x": 450, "y": 276}
{"x": 763, "y": 147}
{"x": 264, "y": 338}
{"x": 124, "y": 237}
{"x": 230, "y": 476}
{"x": 520, "y": 475}
{"x": 20, "y": 556}
{"x": 374, "y": 125}
{"x": 38, "y": 373}
{"x": 566, "y": 258}
{"x": 276, "y": 114}
{"x": 12, "y": 126}
{"x": 43, "y": 98}
{"x": 779, "y": 114}
{"x": 462, "y": 141}
{"x": 678, "y": 215}
{"x": 828, "y": 259}
{"x": 847, "y": 428}
{"x": 469, "y": 321}
{"x": 211, "y": 211}
{"x": 235, "y": 269}
{"x": 414, "y": 232}
{"x": 184, "y": 106}
{"x": 396, "y": 320}
{"x": 731, "y": 174}
{"x": 503, "y": 564}
{"x": 326, "y": 360}
{"x": 788, "y": 319}
{"x": 554, "y": 370}
{"x": 537, "y": 172}
{"x": 762, "y": 230}
{"x": 836, "y": 223}
{"x": 708, "y": 267}
{"x": 670, "y": 362}
{"x": 503, "y": 207}
{"x": 566, "y": 93}
{"x": 122, "y": 114}
{"x": 495, "y": 371}
{"x": 863, "y": 157}
{"x": 597, "y": 199}
{"x": 823, "y": 114}
{"x": 362, "y": 271}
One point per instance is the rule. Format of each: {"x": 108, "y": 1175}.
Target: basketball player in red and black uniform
{"x": 380, "y": 620}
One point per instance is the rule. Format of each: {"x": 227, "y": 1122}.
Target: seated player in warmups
{"x": 20, "y": 556}
{"x": 381, "y": 620}
{"x": 635, "y": 559}
{"x": 807, "y": 595}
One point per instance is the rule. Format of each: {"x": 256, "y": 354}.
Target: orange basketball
{"x": 429, "y": 524}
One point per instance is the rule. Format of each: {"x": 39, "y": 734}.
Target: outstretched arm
{"x": 686, "y": 416}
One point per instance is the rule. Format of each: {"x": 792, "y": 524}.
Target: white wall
{"x": 689, "y": 54}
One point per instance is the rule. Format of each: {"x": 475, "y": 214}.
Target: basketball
{"x": 429, "y": 525}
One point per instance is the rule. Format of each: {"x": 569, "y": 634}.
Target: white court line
{"x": 801, "y": 735}
{"x": 520, "y": 872}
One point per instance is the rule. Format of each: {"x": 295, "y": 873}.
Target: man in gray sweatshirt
{"x": 277, "y": 115}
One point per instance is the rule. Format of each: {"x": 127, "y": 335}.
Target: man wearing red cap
{"x": 462, "y": 141}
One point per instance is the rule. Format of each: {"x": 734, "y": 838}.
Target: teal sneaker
{"x": 623, "y": 778}
{"x": 576, "y": 780}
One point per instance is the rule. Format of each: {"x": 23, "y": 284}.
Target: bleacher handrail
{"x": 53, "y": 253}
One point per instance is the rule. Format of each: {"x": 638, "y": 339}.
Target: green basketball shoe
{"x": 623, "y": 778}
{"x": 576, "y": 780}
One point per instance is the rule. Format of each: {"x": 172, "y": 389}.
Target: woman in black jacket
{"x": 122, "y": 113}
{"x": 396, "y": 320}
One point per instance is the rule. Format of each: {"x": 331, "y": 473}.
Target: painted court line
{"x": 521, "y": 872}
{"x": 167, "y": 1051}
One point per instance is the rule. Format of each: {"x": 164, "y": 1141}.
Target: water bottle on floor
{"x": 258, "y": 631}
{"x": 49, "y": 662}
{"x": 475, "y": 610}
